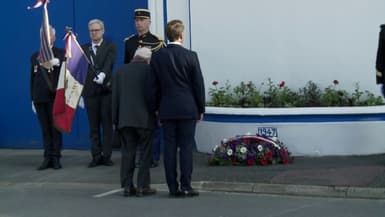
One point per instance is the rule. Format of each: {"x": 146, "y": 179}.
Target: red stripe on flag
{"x": 63, "y": 121}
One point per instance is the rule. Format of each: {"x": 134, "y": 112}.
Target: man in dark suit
{"x": 44, "y": 78}
{"x": 132, "y": 117}
{"x": 179, "y": 87}
{"x": 97, "y": 93}
{"x": 380, "y": 60}
{"x": 144, "y": 38}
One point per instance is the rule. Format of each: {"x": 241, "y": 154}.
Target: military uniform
{"x": 380, "y": 61}
{"x": 146, "y": 40}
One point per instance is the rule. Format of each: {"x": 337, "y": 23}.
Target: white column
{"x": 179, "y": 9}
{"x": 157, "y": 17}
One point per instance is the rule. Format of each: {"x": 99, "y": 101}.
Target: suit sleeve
{"x": 109, "y": 62}
{"x": 127, "y": 52}
{"x": 380, "y": 60}
{"x": 115, "y": 99}
{"x": 153, "y": 88}
{"x": 198, "y": 84}
{"x": 33, "y": 62}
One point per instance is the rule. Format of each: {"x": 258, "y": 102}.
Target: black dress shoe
{"x": 47, "y": 163}
{"x": 96, "y": 161}
{"x": 108, "y": 162}
{"x": 56, "y": 163}
{"x": 129, "y": 191}
{"x": 154, "y": 164}
{"x": 177, "y": 194}
{"x": 191, "y": 193}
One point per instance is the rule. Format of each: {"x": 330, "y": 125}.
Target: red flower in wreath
{"x": 250, "y": 162}
{"x": 263, "y": 161}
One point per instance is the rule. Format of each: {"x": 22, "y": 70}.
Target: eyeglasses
{"x": 95, "y": 30}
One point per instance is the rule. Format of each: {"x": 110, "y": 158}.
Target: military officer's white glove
{"x": 55, "y": 62}
{"x": 33, "y": 108}
{"x": 81, "y": 103}
{"x": 100, "y": 78}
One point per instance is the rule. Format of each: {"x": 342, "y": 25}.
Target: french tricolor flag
{"x": 70, "y": 85}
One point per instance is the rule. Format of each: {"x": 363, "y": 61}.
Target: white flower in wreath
{"x": 243, "y": 150}
{"x": 229, "y": 152}
{"x": 260, "y": 148}
{"x": 274, "y": 138}
{"x": 215, "y": 148}
{"x": 224, "y": 141}
{"x": 248, "y": 134}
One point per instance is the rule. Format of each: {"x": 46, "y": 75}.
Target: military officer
{"x": 380, "y": 61}
{"x": 143, "y": 38}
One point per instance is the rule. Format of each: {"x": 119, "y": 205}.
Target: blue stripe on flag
{"x": 77, "y": 63}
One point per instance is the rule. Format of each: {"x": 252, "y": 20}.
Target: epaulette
{"x": 158, "y": 37}
{"x": 128, "y": 38}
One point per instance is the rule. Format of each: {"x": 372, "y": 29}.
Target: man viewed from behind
{"x": 132, "y": 117}
{"x": 144, "y": 38}
{"x": 97, "y": 93}
{"x": 180, "y": 99}
{"x": 380, "y": 61}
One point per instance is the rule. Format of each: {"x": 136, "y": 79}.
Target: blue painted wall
{"x": 19, "y": 127}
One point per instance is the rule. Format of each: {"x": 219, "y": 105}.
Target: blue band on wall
{"x": 293, "y": 118}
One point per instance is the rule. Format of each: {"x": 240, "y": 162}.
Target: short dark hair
{"x": 174, "y": 29}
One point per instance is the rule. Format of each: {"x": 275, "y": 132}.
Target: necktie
{"x": 96, "y": 49}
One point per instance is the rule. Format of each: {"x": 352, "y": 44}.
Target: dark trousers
{"x": 52, "y": 138}
{"x": 100, "y": 119}
{"x": 131, "y": 139}
{"x": 178, "y": 133}
{"x": 156, "y": 144}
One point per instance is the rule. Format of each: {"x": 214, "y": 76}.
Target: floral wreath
{"x": 250, "y": 150}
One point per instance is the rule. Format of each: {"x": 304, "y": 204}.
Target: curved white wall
{"x": 295, "y": 41}
{"x": 357, "y": 131}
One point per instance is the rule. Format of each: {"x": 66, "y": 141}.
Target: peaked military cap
{"x": 142, "y": 13}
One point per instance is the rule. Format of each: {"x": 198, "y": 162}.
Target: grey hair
{"x": 96, "y": 21}
{"x": 143, "y": 52}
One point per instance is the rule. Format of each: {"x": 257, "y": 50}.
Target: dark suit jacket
{"x": 177, "y": 83}
{"x": 129, "y": 101}
{"x": 103, "y": 62}
{"x": 380, "y": 60}
{"x": 40, "y": 91}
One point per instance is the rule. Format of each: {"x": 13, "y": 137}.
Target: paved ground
{"x": 346, "y": 177}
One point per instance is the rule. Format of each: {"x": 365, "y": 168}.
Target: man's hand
{"x": 200, "y": 117}
{"x": 54, "y": 62}
{"x": 50, "y": 64}
{"x": 381, "y": 88}
{"x": 100, "y": 78}
{"x": 81, "y": 103}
